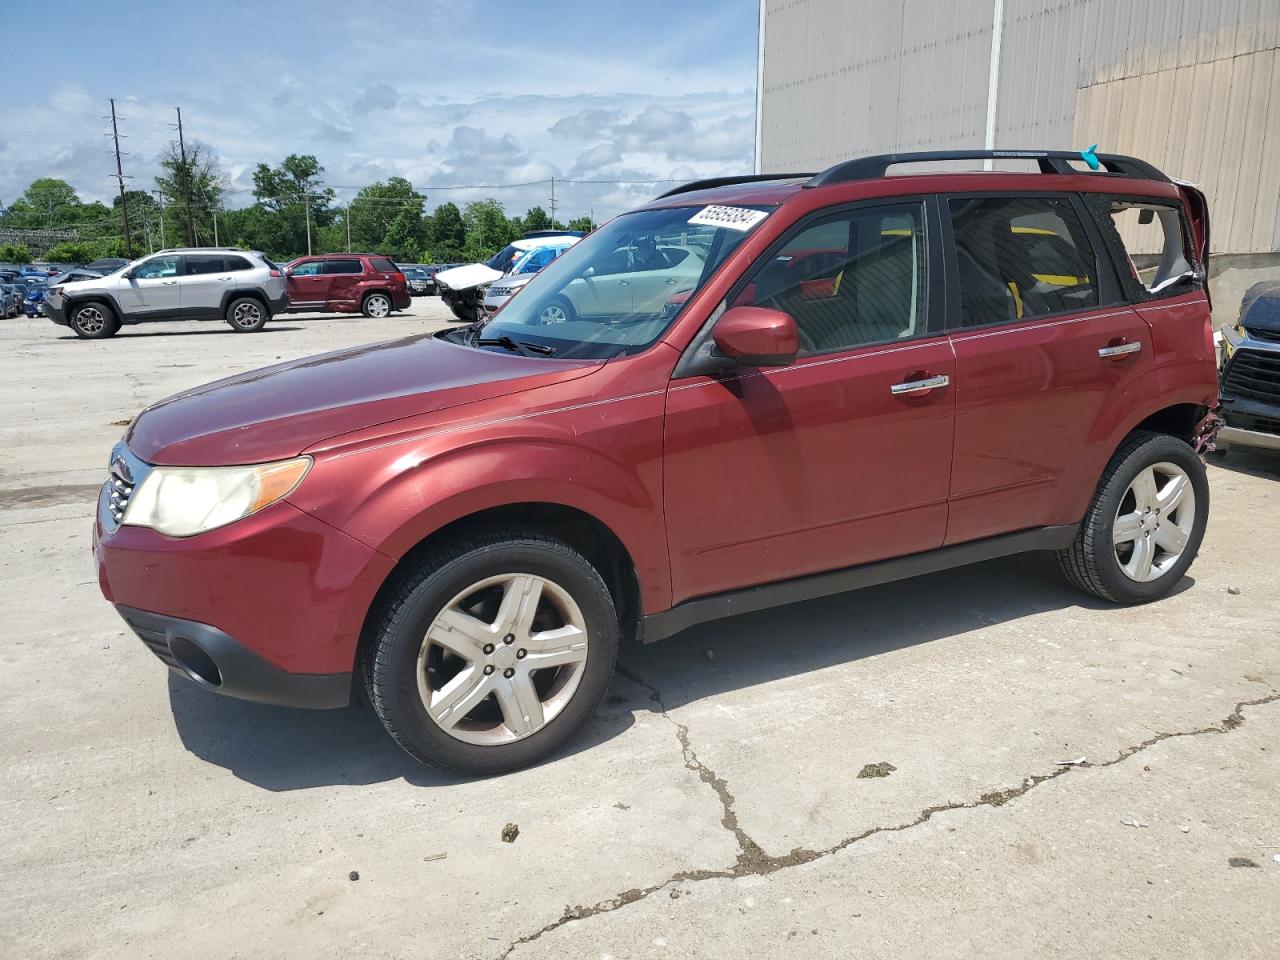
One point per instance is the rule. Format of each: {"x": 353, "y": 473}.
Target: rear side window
{"x": 238, "y": 263}
{"x": 855, "y": 278}
{"x": 194, "y": 266}
{"x": 383, "y": 265}
{"x": 1021, "y": 257}
{"x": 343, "y": 266}
{"x": 1154, "y": 240}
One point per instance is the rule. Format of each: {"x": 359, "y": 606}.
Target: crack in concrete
{"x": 753, "y": 861}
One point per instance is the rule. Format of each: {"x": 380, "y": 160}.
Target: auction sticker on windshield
{"x": 733, "y": 218}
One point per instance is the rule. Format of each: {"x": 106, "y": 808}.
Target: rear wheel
{"x": 376, "y": 306}
{"x": 246, "y": 315}
{"x": 94, "y": 321}
{"x": 492, "y": 652}
{"x": 1145, "y": 523}
{"x": 557, "y": 310}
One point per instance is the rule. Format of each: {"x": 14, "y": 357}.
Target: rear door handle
{"x": 169, "y": 283}
{"x": 920, "y": 386}
{"x": 1119, "y": 349}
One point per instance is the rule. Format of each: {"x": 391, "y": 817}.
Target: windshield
{"x": 619, "y": 289}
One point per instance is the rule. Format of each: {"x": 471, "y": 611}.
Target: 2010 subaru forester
{"x": 751, "y": 391}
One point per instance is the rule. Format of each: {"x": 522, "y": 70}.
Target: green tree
{"x": 14, "y": 253}
{"x": 488, "y": 229}
{"x": 379, "y": 205}
{"x": 446, "y": 234}
{"x": 72, "y": 251}
{"x": 198, "y": 182}
{"x": 292, "y": 191}
{"x": 536, "y": 219}
{"x": 585, "y": 224}
{"x": 404, "y": 235}
{"x": 47, "y": 203}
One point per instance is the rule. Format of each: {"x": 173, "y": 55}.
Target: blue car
{"x": 34, "y": 299}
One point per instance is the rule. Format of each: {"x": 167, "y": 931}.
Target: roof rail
{"x": 730, "y": 181}
{"x": 1050, "y": 161}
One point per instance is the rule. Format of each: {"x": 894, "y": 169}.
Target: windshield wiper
{"x": 524, "y": 349}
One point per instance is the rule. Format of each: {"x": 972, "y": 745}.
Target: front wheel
{"x": 493, "y": 652}
{"x": 246, "y": 315}
{"x": 1145, "y": 523}
{"x": 376, "y": 306}
{"x": 94, "y": 321}
{"x": 557, "y": 310}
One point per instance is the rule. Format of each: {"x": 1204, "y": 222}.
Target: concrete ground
{"x": 714, "y": 807}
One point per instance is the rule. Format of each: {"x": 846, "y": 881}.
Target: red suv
{"x": 752, "y": 391}
{"x": 347, "y": 283}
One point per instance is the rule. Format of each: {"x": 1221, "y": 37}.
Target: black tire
{"x": 376, "y": 306}
{"x": 93, "y": 320}
{"x": 247, "y": 315}
{"x": 463, "y": 312}
{"x": 560, "y": 303}
{"x": 389, "y": 660}
{"x": 1090, "y": 563}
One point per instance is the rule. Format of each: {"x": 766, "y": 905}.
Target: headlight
{"x": 184, "y": 501}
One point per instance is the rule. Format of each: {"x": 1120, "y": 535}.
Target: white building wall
{"x": 1192, "y": 86}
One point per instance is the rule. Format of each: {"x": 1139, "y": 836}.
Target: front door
{"x": 152, "y": 291}
{"x": 842, "y": 458}
{"x": 1047, "y": 353}
{"x": 308, "y": 285}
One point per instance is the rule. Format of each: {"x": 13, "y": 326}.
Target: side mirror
{"x": 757, "y": 337}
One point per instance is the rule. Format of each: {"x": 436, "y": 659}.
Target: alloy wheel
{"x": 553, "y": 313}
{"x": 378, "y": 307}
{"x": 246, "y": 314}
{"x": 90, "y": 320}
{"x": 502, "y": 659}
{"x": 1154, "y": 522}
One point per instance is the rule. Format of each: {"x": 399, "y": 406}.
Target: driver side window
{"x": 157, "y": 268}
{"x": 309, "y": 269}
{"x": 854, "y": 278}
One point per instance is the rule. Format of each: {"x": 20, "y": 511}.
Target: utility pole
{"x": 124, "y": 203}
{"x": 348, "y": 219}
{"x": 215, "y": 228}
{"x": 306, "y": 212}
{"x": 186, "y": 179}
{"x": 160, "y": 197}
{"x": 553, "y": 203}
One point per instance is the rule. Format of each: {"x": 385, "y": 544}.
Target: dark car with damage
{"x": 1250, "y": 381}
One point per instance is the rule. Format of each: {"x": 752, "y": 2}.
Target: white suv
{"x": 243, "y": 288}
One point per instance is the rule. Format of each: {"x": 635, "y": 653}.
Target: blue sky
{"x": 443, "y": 93}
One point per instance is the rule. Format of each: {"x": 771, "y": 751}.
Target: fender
{"x": 69, "y": 303}
{"x": 393, "y": 503}
{"x": 1112, "y": 426}
{"x": 256, "y": 292}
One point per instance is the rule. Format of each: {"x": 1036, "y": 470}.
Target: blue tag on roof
{"x": 1090, "y": 156}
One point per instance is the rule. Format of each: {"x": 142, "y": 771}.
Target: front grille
{"x": 119, "y": 490}
{"x": 1266, "y": 336}
{"x": 1253, "y": 374}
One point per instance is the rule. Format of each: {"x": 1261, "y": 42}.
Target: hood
{"x": 464, "y": 278}
{"x": 278, "y": 412}
{"x": 1260, "y": 308}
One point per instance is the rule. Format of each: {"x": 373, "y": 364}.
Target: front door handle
{"x": 1112, "y": 350}
{"x": 920, "y": 387}
{"x": 169, "y": 283}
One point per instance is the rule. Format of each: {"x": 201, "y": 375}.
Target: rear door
{"x": 1047, "y": 353}
{"x": 343, "y": 275}
{"x": 835, "y": 460}
{"x": 308, "y": 285}
{"x": 204, "y": 281}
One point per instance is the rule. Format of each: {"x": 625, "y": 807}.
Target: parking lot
{"x": 880, "y": 774}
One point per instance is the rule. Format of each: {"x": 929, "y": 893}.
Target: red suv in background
{"x": 854, "y": 377}
{"x": 346, "y": 283}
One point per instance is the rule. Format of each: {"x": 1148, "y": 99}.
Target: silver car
{"x": 242, "y": 287}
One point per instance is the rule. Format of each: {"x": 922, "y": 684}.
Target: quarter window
{"x": 1021, "y": 257}
{"x": 852, "y": 279}
{"x": 382, "y": 264}
{"x": 1155, "y": 246}
{"x": 238, "y": 263}
{"x": 343, "y": 266}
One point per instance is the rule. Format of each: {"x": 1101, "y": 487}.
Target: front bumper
{"x": 209, "y": 658}
{"x": 279, "y": 596}
{"x": 58, "y": 313}
{"x": 1250, "y": 391}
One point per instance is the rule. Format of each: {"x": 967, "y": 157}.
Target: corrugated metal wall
{"x": 1192, "y": 86}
